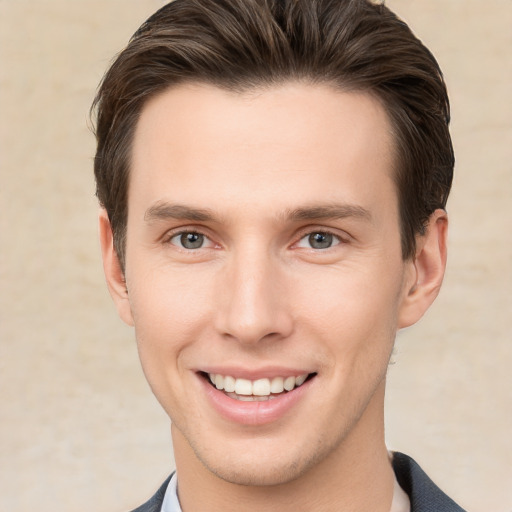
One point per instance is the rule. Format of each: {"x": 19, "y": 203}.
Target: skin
{"x": 266, "y": 169}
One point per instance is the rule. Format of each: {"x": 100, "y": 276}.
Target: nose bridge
{"x": 254, "y": 303}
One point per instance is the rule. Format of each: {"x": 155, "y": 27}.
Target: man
{"x": 273, "y": 176}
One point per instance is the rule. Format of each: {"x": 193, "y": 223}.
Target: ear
{"x": 426, "y": 270}
{"x": 113, "y": 273}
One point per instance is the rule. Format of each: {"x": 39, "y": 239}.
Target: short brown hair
{"x": 243, "y": 44}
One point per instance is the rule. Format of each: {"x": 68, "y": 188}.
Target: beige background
{"x": 79, "y": 428}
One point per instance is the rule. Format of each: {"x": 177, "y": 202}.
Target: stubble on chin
{"x": 260, "y": 469}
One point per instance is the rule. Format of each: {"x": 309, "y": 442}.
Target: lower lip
{"x": 254, "y": 412}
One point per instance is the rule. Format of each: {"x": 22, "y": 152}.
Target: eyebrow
{"x": 164, "y": 211}
{"x": 333, "y": 211}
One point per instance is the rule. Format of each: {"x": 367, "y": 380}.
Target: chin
{"x": 264, "y": 464}
{"x": 261, "y": 474}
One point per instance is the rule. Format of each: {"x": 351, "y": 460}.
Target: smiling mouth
{"x": 256, "y": 390}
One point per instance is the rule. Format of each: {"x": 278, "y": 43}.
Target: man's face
{"x": 263, "y": 244}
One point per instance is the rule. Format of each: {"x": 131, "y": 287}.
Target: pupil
{"x": 192, "y": 240}
{"x": 320, "y": 240}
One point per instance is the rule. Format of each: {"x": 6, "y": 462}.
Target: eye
{"x": 319, "y": 240}
{"x": 191, "y": 240}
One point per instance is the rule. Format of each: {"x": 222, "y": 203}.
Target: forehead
{"x": 290, "y": 143}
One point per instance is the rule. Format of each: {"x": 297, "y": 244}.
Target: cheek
{"x": 170, "y": 313}
{"x": 352, "y": 309}
{"x": 170, "y": 310}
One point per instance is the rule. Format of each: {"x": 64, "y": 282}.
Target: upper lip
{"x": 255, "y": 373}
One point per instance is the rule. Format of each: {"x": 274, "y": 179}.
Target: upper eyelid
{"x": 171, "y": 233}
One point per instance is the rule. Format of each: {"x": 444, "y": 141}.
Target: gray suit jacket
{"x": 424, "y": 495}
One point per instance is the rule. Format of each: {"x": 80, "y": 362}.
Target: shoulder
{"x": 424, "y": 495}
{"x": 155, "y": 503}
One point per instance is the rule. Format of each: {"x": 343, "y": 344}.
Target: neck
{"x": 357, "y": 475}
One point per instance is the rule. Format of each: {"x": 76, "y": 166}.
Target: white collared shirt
{"x": 171, "y": 502}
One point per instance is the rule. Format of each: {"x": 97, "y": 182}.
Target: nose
{"x": 253, "y": 304}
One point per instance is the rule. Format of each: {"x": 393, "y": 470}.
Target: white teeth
{"x": 261, "y": 387}
{"x": 277, "y": 385}
{"x": 243, "y": 387}
{"x": 256, "y": 388}
{"x": 289, "y": 383}
{"x": 229, "y": 384}
{"x": 300, "y": 380}
{"x": 219, "y": 381}
{"x": 245, "y": 398}
{"x": 251, "y": 398}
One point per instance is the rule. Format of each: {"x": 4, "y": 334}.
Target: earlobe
{"x": 427, "y": 270}
{"x": 113, "y": 272}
